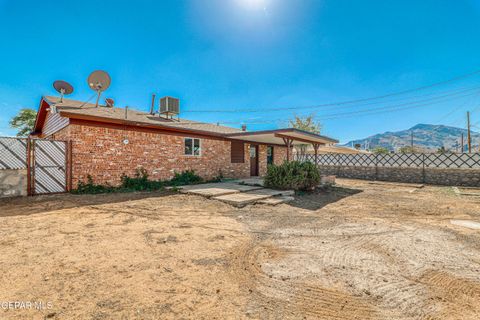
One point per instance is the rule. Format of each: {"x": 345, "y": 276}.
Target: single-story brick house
{"x": 107, "y": 142}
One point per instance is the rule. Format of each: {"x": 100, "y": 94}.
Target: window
{"x": 253, "y": 151}
{"x": 270, "y": 155}
{"x": 237, "y": 152}
{"x": 192, "y": 147}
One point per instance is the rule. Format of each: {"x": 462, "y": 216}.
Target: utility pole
{"x": 462, "y": 144}
{"x": 469, "y": 138}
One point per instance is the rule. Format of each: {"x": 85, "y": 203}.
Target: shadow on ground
{"x": 320, "y": 198}
{"x": 20, "y": 206}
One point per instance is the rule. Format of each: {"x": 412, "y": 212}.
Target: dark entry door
{"x": 253, "y": 160}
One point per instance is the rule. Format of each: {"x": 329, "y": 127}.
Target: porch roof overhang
{"x": 277, "y": 137}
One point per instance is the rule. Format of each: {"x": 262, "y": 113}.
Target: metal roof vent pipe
{"x": 152, "y": 107}
{"x": 244, "y": 127}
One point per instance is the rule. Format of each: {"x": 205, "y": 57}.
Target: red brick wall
{"x": 100, "y": 152}
{"x": 262, "y": 160}
{"x": 279, "y": 155}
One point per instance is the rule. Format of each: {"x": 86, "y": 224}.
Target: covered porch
{"x": 286, "y": 138}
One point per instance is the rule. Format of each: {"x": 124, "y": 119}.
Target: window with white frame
{"x": 192, "y": 147}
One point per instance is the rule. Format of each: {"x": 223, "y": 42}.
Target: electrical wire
{"x": 341, "y": 102}
{"x": 461, "y": 119}
{"x": 387, "y": 109}
{"x": 467, "y": 101}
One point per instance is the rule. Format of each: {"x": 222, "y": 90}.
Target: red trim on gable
{"x": 41, "y": 117}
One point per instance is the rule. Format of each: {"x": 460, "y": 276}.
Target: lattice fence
{"x": 13, "y": 153}
{"x": 407, "y": 160}
{"x": 45, "y": 161}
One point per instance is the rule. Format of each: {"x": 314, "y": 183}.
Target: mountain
{"x": 426, "y": 137}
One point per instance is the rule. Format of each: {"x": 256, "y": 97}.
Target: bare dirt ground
{"x": 361, "y": 251}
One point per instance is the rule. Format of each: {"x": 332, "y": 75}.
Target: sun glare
{"x": 253, "y": 4}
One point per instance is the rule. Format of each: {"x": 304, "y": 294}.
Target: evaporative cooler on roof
{"x": 169, "y": 106}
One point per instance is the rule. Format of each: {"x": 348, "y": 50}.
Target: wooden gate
{"x": 48, "y": 166}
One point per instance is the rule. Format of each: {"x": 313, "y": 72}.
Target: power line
{"x": 381, "y": 110}
{"x": 341, "y": 102}
{"x": 393, "y": 107}
{"x": 461, "y": 118}
{"x": 456, "y": 90}
{"x": 467, "y": 101}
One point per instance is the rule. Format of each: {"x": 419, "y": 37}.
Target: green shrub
{"x": 139, "y": 182}
{"x": 185, "y": 178}
{"x": 293, "y": 175}
{"x": 92, "y": 188}
{"x": 218, "y": 178}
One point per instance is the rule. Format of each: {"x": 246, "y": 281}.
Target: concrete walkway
{"x": 240, "y": 194}
{"x": 217, "y": 189}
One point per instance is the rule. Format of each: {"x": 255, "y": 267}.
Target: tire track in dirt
{"x": 458, "y": 298}
{"x": 283, "y": 296}
{"x": 374, "y": 268}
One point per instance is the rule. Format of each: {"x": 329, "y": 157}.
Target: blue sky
{"x": 248, "y": 54}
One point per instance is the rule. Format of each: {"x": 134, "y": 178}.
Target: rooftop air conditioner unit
{"x": 169, "y": 106}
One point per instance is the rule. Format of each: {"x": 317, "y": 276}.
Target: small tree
{"x": 305, "y": 123}
{"x": 407, "y": 149}
{"x": 24, "y": 121}
{"x": 443, "y": 150}
{"x": 381, "y": 150}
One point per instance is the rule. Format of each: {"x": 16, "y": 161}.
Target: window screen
{"x": 237, "y": 152}
{"x": 192, "y": 147}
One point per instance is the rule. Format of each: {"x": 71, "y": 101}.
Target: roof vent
{"x": 152, "y": 107}
{"x": 109, "y": 102}
{"x": 169, "y": 106}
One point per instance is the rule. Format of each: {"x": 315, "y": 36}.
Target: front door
{"x": 253, "y": 160}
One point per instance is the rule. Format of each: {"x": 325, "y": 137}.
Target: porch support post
{"x": 315, "y": 147}
{"x": 289, "y": 143}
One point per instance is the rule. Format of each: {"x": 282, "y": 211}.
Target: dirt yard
{"x": 361, "y": 251}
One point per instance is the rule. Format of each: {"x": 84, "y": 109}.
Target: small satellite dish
{"x": 98, "y": 81}
{"x": 63, "y": 88}
{"x": 109, "y": 102}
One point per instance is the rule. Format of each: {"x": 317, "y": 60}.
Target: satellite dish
{"x": 98, "y": 81}
{"x": 63, "y": 88}
{"x": 109, "y": 102}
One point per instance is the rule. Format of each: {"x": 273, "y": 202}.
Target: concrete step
{"x": 273, "y": 193}
{"x": 241, "y": 199}
{"x": 256, "y": 181}
{"x": 244, "y": 198}
{"x": 216, "y": 189}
